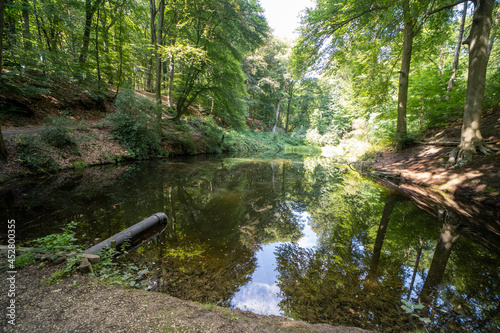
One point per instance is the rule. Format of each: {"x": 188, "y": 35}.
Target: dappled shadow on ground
{"x": 424, "y": 165}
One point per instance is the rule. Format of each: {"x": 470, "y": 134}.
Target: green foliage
{"x": 180, "y": 137}
{"x": 133, "y": 126}
{"x": 110, "y": 271}
{"x": 23, "y": 260}
{"x": 249, "y": 141}
{"x": 64, "y": 241}
{"x": 210, "y": 132}
{"x": 33, "y": 154}
{"x": 57, "y": 133}
{"x": 410, "y": 308}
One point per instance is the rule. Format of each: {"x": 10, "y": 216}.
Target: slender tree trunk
{"x": 288, "y": 108}
{"x": 457, "y": 52}
{"x": 277, "y": 114}
{"x": 26, "y": 24}
{"x": 3, "y": 150}
{"x": 471, "y": 138}
{"x": 379, "y": 241}
{"x": 90, "y": 9}
{"x": 152, "y": 12}
{"x": 39, "y": 30}
{"x": 171, "y": 80}
{"x": 120, "y": 51}
{"x": 404, "y": 75}
{"x": 161, "y": 12}
{"x": 1, "y": 36}
{"x": 493, "y": 35}
{"x": 97, "y": 52}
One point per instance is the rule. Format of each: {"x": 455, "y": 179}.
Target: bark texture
{"x": 404, "y": 75}
{"x": 471, "y": 139}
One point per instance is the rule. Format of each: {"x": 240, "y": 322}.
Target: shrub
{"x": 132, "y": 125}
{"x": 57, "y": 133}
{"x": 211, "y": 133}
{"x": 59, "y": 242}
{"x": 32, "y": 154}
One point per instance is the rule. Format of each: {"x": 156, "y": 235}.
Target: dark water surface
{"x": 306, "y": 238}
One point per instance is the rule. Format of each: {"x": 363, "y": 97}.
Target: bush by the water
{"x": 33, "y": 154}
{"x": 132, "y": 124}
{"x": 57, "y": 133}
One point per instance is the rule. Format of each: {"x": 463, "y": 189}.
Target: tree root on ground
{"x": 460, "y": 156}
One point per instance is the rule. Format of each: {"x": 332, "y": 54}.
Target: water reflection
{"x": 308, "y": 239}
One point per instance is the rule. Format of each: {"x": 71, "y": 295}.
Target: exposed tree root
{"x": 460, "y": 156}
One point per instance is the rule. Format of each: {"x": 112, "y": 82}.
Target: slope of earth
{"x": 478, "y": 181}
{"x": 83, "y": 304}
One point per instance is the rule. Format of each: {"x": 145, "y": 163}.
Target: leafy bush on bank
{"x": 33, "y": 154}
{"x": 132, "y": 124}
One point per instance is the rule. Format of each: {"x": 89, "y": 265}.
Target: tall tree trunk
{"x": 1, "y": 35}
{"x": 152, "y": 14}
{"x": 457, "y": 52}
{"x": 440, "y": 259}
{"x": 471, "y": 138}
{"x": 90, "y": 9}
{"x": 97, "y": 52}
{"x": 120, "y": 52}
{"x": 26, "y": 24}
{"x": 493, "y": 35}
{"x": 379, "y": 241}
{"x": 161, "y": 12}
{"x": 288, "y": 108}
{"x": 277, "y": 114}
{"x": 404, "y": 75}
{"x": 3, "y": 151}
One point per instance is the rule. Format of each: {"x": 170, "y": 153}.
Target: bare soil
{"x": 424, "y": 164}
{"x": 84, "y": 304}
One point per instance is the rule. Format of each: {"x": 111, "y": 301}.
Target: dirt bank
{"x": 424, "y": 164}
{"x": 83, "y": 304}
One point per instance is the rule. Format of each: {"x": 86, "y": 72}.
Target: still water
{"x": 307, "y": 239}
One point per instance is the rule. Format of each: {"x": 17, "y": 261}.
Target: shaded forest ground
{"x": 424, "y": 164}
{"x": 83, "y": 304}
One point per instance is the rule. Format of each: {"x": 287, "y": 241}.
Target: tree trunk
{"x": 152, "y": 12}
{"x": 471, "y": 138}
{"x": 277, "y": 114}
{"x": 404, "y": 75}
{"x": 288, "y": 108}
{"x": 161, "y": 12}
{"x": 493, "y": 35}
{"x": 90, "y": 9}
{"x": 457, "y": 52}
{"x": 98, "y": 66}
{"x": 26, "y": 24}
{"x": 1, "y": 36}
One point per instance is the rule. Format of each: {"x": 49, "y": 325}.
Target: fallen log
{"x": 130, "y": 233}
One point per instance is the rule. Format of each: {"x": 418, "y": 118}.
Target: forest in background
{"x": 384, "y": 73}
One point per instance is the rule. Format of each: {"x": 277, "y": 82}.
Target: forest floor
{"x": 84, "y": 304}
{"x": 424, "y": 164}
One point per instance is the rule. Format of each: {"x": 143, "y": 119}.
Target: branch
{"x": 446, "y": 7}
{"x": 372, "y": 9}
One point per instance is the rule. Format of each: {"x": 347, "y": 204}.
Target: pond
{"x": 304, "y": 238}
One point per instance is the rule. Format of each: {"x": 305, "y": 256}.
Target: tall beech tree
{"x": 338, "y": 25}
{"x": 471, "y": 139}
